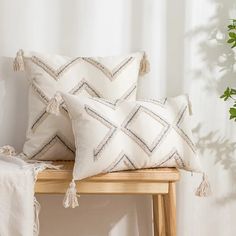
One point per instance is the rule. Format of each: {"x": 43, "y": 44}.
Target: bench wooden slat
{"x": 158, "y": 174}
{"x": 147, "y": 181}
{"x": 60, "y": 187}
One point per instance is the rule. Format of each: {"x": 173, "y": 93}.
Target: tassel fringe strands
{"x": 53, "y": 106}
{"x": 18, "y": 64}
{"x": 204, "y": 189}
{"x": 144, "y": 65}
{"x": 36, "y": 217}
{"x": 71, "y": 197}
{"x": 7, "y": 150}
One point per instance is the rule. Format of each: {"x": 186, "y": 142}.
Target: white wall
{"x": 187, "y": 52}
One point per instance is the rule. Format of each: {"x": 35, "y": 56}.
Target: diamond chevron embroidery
{"x": 173, "y": 159}
{"x": 137, "y": 134}
{"x": 122, "y": 162}
{"x": 56, "y": 139}
{"x": 82, "y": 86}
{"x": 55, "y": 73}
{"x": 179, "y": 129}
{"x": 160, "y": 102}
{"x": 161, "y": 126}
{"x": 103, "y": 77}
{"x": 112, "y": 130}
{"x": 113, "y": 103}
{"x": 111, "y": 74}
{"x": 85, "y": 86}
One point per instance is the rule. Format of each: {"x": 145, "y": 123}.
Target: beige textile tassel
{"x": 53, "y": 106}
{"x": 144, "y": 65}
{"x": 7, "y": 150}
{"x": 204, "y": 189}
{"x": 71, "y": 197}
{"x": 18, "y": 64}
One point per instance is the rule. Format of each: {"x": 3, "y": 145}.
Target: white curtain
{"x": 185, "y": 41}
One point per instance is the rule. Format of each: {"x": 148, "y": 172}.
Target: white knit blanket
{"x": 18, "y": 206}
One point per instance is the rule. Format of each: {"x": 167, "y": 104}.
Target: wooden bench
{"x": 160, "y": 183}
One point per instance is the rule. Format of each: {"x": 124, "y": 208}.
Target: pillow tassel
{"x": 53, "y": 106}
{"x": 144, "y": 65}
{"x": 18, "y": 64}
{"x": 204, "y": 189}
{"x": 7, "y": 150}
{"x": 71, "y": 197}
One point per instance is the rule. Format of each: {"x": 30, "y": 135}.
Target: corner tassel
{"x": 53, "y": 106}
{"x": 204, "y": 189}
{"x": 71, "y": 197}
{"x": 7, "y": 150}
{"x": 36, "y": 217}
{"x": 144, "y": 65}
{"x": 18, "y": 64}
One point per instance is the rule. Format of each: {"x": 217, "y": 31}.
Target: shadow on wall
{"x": 102, "y": 213}
{"x": 217, "y": 72}
{"x": 223, "y": 151}
{"x": 218, "y": 57}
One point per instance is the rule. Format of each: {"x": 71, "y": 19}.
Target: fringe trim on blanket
{"x": 36, "y": 217}
{"x": 36, "y": 167}
{"x": 39, "y": 166}
{"x": 7, "y": 150}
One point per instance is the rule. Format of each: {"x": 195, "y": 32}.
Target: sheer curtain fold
{"x": 186, "y": 47}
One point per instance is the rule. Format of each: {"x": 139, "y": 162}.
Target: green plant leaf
{"x": 234, "y": 45}
{"x": 226, "y": 95}
{"x": 230, "y": 93}
{"x": 232, "y": 112}
{"x": 231, "y": 27}
{"x": 233, "y": 91}
{"x": 232, "y": 35}
{"x": 231, "y": 40}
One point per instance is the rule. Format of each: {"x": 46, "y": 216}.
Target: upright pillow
{"x": 50, "y": 137}
{"x": 127, "y": 135}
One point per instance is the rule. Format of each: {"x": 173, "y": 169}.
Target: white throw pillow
{"x": 126, "y": 135}
{"x": 50, "y": 137}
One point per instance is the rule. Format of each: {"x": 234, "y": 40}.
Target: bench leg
{"x": 158, "y": 215}
{"x": 170, "y": 210}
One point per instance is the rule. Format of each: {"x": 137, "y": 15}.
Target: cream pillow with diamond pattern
{"x": 50, "y": 137}
{"x": 126, "y": 135}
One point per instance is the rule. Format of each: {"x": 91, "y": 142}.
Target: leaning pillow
{"x": 115, "y": 135}
{"x": 50, "y": 137}
{"x": 127, "y": 135}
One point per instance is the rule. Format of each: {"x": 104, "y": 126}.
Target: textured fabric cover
{"x": 120, "y": 135}
{"x": 50, "y": 137}
{"x": 17, "y": 213}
